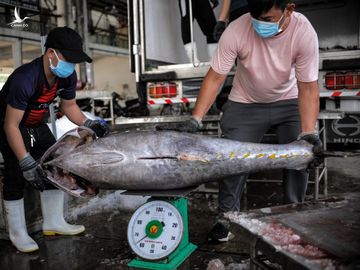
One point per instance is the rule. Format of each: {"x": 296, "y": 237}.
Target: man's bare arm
{"x": 309, "y": 104}
{"x": 208, "y": 92}
{"x": 72, "y": 111}
{"x": 13, "y": 118}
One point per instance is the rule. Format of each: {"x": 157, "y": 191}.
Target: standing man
{"x": 230, "y": 10}
{"x": 202, "y": 11}
{"x": 24, "y": 135}
{"x": 275, "y": 85}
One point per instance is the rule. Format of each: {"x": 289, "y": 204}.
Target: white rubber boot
{"x": 15, "y": 215}
{"x": 52, "y": 206}
{"x": 211, "y": 47}
{"x": 189, "y": 52}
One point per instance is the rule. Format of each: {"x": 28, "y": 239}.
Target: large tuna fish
{"x": 159, "y": 160}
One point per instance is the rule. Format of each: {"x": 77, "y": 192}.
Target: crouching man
{"x": 24, "y": 135}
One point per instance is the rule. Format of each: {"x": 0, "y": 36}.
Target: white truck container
{"x": 165, "y": 76}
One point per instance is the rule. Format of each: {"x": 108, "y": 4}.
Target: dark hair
{"x": 258, "y": 7}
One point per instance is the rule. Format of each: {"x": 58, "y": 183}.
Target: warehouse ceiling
{"x": 117, "y": 8}
{"x": 108, "y": 22}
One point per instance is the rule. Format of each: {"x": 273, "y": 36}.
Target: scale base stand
{"x": 182, "y": 252}
{"x": 174, "y": 260}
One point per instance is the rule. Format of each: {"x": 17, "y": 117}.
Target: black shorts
{"x": 13, "y": 181}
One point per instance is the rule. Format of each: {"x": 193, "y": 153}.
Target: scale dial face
{"x": 155, "y": 230}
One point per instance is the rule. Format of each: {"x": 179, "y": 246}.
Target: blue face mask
{"x": 63, "y": 69}
{"x": 266, "y": 29}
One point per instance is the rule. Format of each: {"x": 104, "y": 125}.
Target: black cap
{"x": 69, "y": 43}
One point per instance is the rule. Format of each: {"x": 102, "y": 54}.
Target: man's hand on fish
{"x": 100, "y": 128}
{"x": 313, "y": 138}
{"x": 32, "y": 172}
{"x": 192, "y": 125}
{"x": 219, "y": 29}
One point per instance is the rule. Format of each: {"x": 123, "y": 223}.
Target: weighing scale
{"x": 158, "y": 230}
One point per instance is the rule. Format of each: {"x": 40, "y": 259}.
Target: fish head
{"x": 62, "y": 149}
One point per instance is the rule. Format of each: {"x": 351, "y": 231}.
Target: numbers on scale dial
{"x": 155, "y": 230}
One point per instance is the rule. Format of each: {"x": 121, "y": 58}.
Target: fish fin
{"x": 112, "y": 157}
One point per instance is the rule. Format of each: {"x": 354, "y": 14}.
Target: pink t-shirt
{"x": 267, "y": 68}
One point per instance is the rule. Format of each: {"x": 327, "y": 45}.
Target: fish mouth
{"x": 68, "y": 181}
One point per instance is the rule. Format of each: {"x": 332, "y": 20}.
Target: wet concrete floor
{"x": 104, "y": 244}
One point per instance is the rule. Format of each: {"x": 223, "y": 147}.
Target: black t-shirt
{"x": 27, "y": 89}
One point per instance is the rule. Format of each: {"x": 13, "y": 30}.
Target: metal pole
{"x": 112, "y": 111}
{"x": 136, "y": 45}
{"x": 192, "y": 35}
{"x": 88, "y": 66}
{"x": 252, "y": 251}
{"x": 42, "y": 44}
{"x": 17, "y": 53}
{"x": 66, "y": 12}
{"x": 316, "y": 183}
{"x": 325, "y": 160}
{"x": 359, "y": 31}
{"x": 80, "y": 29}
{"x": 142, "y": 43}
